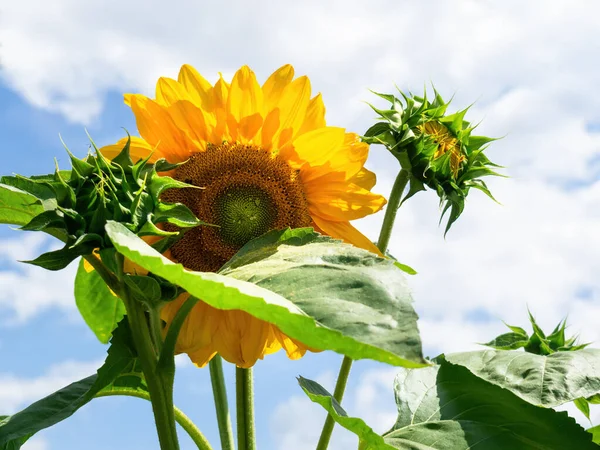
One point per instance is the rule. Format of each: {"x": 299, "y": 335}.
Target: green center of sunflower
{"x": 244, "y": 212}
{"x": 246, "y": 191}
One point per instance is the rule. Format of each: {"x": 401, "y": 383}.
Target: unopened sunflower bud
{"x": 78, "y": 203}
{"x": 437, "y": 150}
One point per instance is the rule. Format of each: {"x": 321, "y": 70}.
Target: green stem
{"x": 245, "y": 409}
{"x": 382, "y": 244}
{"x": 338, "y": 394}
{"x": 160, "y": 383}
{"x": 183, "y": 420}
{"x": 222, "y": 406}
{"x": 391, "y": 210}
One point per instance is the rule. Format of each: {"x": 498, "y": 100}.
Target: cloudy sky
{"x": 532, "y": 69}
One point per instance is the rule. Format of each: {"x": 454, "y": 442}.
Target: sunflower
{"x": 264, "y": 159}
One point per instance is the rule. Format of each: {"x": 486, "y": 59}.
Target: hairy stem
{"x": 245, "y": 409}
{"x": 221, "y": 405}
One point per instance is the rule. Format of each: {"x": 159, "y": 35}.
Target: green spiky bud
{"x": 437, "y": 150}
{"x": 79, "y": 202}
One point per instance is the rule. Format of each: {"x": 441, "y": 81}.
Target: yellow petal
{"x": 169, "y": 91}
{"x": 241, "y": 339}
{"x": 275, "y": 84}
{"x": 220, "y": 95}
{"x": 315, "y": 115}
{"x": 199, "y": 327}
{"x": 249, "y": 126}
{"x": 316, "y": 147}
{"x": 292, "y": 105}
{"x": 189, "y": 118}
{"x": 245, "y": 95}
{"x": 332, "y": 198}
{"x": 138, "y": 149}
{"x": 198, "y": 88}
{"x": 202, "y": 356}
{"x": 159, "y": 130}
{"x": 269, "y": 128}
{"x": 364, "y": 178}
{"x": 346, "y": 232}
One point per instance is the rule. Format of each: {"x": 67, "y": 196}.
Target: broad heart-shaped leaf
{"x": 15, "y": 429}
{"x": 374, "y": 320}
{"x": 100, "y": 309}
{"x": 318, "y": 394}
{"x": 446, "y": 407}
{"x": 343, "y": 287}
{"x": 18, "y": 207}
{"x": 546, "y": 381}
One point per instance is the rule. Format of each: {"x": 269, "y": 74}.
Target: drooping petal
{"x": 241, "y": 339}
{"x": 275, "y": 84}
{"x": 346, "y": 232}
{"x": 199, "y": 327}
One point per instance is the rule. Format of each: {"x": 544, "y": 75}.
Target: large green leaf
{"x": 595, "y": 431}
{"x": 16, "y": 429}
{"x": 17, "y": 207}
{"x": 447, "y": 407}
{"x": 100, "y": 309}
{"x": 326, "y": 294}
{"x": 541, "y": 380}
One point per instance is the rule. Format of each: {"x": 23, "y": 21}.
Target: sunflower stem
{"x": 159, "y": 380}
{"x": 382, "y": 244}
{"x": 245, "y": 409}
{"x": 221, "y": 404}
{"x": 184, "y": 421}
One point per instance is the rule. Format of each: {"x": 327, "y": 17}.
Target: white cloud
{"x": 529, "y": 66}
{"x": 17, "y": 392}
{"x": 27, "y": 290}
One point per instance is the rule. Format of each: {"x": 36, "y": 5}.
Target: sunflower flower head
{"x": 437, "y": 149}
{"x": 79, "y": 202}
{"x": 265, "y": 160}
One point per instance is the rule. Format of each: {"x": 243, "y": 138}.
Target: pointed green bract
{"x": 437, "y": 150}
{"x": 311, "y": 300}
{"x": 541, "y": 380}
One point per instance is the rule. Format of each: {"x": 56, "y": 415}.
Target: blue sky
{"x": 65, "y": 66}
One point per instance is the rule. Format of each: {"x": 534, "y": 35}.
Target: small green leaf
{"x": 583, "y": 405}
{"x": 595, "y": 431}
{"x": 318, "y": 394}
{"x": 374, "y": 319}
{"x": 144, "y": 289}
{"x": 508, "y": 341}
{"x": 177, "y": 214}
{"x": 99, "y": 307}
{"x": 58, "y": 259}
